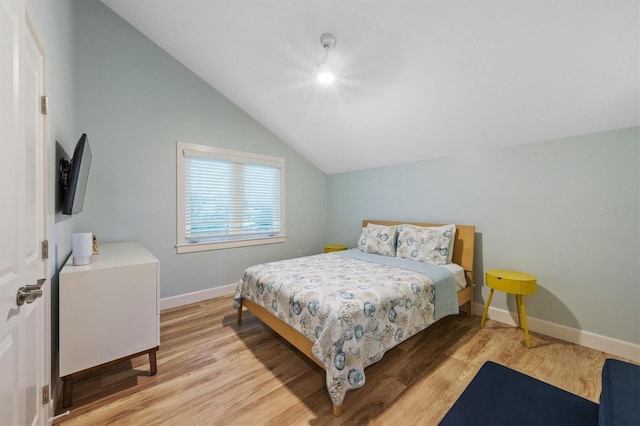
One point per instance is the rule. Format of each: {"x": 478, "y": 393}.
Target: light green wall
{"x": 134, "y": 102}
{"x": 565, "y": 210}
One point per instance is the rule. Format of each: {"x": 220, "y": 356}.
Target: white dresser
{"x": 109, "y": 310}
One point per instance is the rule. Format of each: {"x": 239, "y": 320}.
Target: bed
{"x": 345, "y": 309}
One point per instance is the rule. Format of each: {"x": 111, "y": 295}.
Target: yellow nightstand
{"x": 514, "y": 282}
{"x": 334, "y": 247}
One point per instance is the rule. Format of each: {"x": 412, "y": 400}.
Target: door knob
{"x": 37, "y": 286}
{"x": 30, "y": 292}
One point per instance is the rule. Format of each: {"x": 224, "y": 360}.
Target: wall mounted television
{"x": 73, "y": 177}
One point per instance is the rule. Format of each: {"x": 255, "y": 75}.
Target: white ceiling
{"x": 417, "y": 79}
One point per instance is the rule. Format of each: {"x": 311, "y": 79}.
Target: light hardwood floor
{"x": 213, "y": 371}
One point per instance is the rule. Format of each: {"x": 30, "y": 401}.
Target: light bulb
{"x": 326, "y": 76}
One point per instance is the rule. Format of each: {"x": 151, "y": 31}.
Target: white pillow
{"x": 451, "y": 241}
{"x": 374, "y": 225}
{"x": 438, "y": 228}
{"x": 378, "y": 240}
{"x": 426, "y": 244}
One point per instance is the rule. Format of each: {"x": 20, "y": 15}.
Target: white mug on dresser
{"x": 82, "y": 246}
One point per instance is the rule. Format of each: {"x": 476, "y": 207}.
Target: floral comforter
{"x": 351, "y": 306}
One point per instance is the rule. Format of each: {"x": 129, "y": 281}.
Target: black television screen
{"x": 74, "y": 177}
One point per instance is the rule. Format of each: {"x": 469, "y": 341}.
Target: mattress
{"x": 458, "y": 275}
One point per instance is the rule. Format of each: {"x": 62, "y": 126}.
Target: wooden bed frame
{"x": 462, "y": 255}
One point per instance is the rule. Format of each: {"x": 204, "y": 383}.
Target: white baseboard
{"x": 197, "y": 296}
{"x": 599, "y": 342}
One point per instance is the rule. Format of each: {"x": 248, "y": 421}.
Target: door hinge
{"x": 45, "y": 394}
{"x": 44, "y": 104}
{"x": 45, "y": 249}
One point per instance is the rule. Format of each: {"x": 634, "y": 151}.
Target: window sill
{"x": 195, "y": 247}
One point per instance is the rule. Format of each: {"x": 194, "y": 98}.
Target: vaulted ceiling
{"x": 416, "y": 79}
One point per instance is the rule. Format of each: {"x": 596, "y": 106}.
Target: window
{"x": 228, "y": 198}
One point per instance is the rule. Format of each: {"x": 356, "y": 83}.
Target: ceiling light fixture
{"x": 326, "y": 74}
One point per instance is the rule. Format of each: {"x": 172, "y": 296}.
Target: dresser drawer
{"x": 511, "y": 282}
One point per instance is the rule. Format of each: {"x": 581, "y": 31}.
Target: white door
{"x": 22, "y": 221}
{"x": 34, "y": 215}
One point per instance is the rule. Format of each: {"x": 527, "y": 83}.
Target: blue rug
{"x": 498, "y": 395}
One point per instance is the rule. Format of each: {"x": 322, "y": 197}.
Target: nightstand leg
{"x": 486, "y": 308}
{"x": 524, "y": 321}
{"x": 518, "y": 303}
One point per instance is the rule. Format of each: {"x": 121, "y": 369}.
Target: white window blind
{"x": 229, "y": 198}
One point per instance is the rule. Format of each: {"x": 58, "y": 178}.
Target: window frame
{"x": 206, "y": 151}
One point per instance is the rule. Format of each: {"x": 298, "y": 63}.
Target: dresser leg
{"x": 67, "y": 390}
{"x": 153, "y": 365}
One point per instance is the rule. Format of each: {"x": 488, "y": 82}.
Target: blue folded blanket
{"x": 446, "y": 302}
{"x": 620, "y": 396}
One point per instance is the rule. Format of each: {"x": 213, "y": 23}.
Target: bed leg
{"x": 470, "y": 308}
{"x": 337, "y": 410}
{"x": 240, "y": 313}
